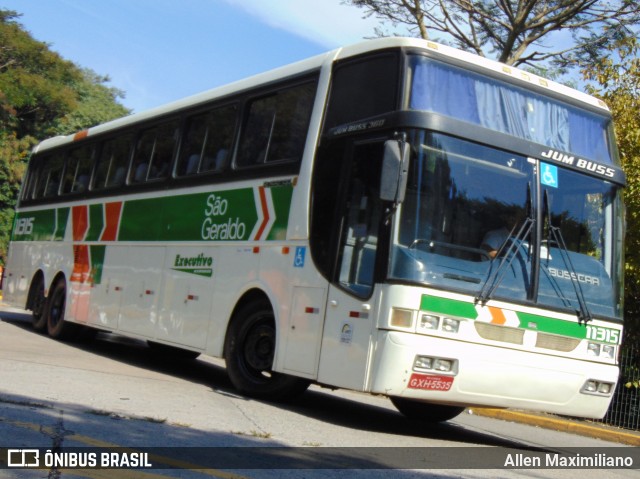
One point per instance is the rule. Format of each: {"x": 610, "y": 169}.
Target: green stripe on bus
{"x": 62, "y": 217}
{"x": 543, "y": 324}
{"x": 281, "y": 203}
{"x": 230, "y": 215}
{"x": 533, "y": 322}
{"x": 97, "y": 262}
{"x": 453, "y": 307}
{"x": 219, "y": 216}
{"x": 96, "y": 222}
{"x": 43, "y": 225}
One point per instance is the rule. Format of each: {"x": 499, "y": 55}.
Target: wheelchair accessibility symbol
{"x": 549, "y": 175}
{"x": 298, "y": 260}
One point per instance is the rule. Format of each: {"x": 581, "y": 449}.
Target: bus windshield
{"x": 468, "y": 205}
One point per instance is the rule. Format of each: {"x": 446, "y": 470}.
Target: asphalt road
{"x": 184, "y": 419}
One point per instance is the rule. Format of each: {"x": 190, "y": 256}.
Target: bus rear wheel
{"x": 36, "y": 304}
{"x": 54, "y": 312}
{"x": 249, "y": 351}
{"x": 421, "y": 411}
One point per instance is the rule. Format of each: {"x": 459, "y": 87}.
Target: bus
{"x": 394, "y": 217}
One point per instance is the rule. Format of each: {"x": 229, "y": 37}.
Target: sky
{"x": 158, "y": 51}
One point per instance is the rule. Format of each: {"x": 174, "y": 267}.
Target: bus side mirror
{"x": 395, "y": 167}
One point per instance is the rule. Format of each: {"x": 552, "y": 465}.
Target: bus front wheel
{"x": 425, "y": 412}
{"x": 249, "y": 352}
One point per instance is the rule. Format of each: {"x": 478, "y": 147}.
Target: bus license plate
{"x": 429, "y": 382}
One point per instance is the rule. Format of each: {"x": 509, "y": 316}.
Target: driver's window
{"x": 361, "y": 221}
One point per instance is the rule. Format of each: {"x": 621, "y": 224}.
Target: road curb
{"x": 559, "y": 424}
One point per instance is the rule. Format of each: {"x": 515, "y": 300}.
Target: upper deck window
{"x": 363, "y": 88}
{"x": 506, "y": 108}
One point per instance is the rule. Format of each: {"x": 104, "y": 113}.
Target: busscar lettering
{"x": 582, "y": 278}
{"x": 581, "y": 163}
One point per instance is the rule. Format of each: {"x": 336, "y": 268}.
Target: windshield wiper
{"x": 583, "y": 313}
{"x": 495, "y": 276}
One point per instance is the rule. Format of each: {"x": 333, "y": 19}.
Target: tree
{"x": 513, "y": 31}
{"x": 616, "y": 80}
{"x": 41, "y": 95}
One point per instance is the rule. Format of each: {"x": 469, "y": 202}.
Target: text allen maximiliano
{"x": 597, "y": 460}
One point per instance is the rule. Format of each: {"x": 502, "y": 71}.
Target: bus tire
{"x": 425, "y": 412}
{"x": 54, "y": 312}
{"x": 249, "y": 351}
{"x": 36, "y": 303}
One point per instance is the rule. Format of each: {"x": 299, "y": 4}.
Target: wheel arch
{"x": 253, "y": 295}
{"x": 57, "y": 277}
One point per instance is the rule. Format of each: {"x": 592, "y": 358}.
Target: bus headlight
{"x": 609, "y": 352}
{"x": 429, "y": 321}
{"x": 433, "y": 364}
{"x": 450, "y": 325}
{"x": 422, "y": 363}
{"x": 605, "y": 351}
{"x": 598, "y": 388}
{"x": 593, "y": 349}
{"x": 443, "y": 365}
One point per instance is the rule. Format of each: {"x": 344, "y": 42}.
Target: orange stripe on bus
{"x": 112, "y": 216}
{"x": 497, "y": 315}
{"x": 81, "y": 135}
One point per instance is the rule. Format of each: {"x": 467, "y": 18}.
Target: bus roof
{"x": 315, "y": 63}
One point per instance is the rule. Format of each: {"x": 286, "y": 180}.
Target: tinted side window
{"x": 154, "y": 153}
{"x": 275, "y": 126}
{"x": 113, "y": 162}
{"x": 78, "y": 171}
{"x": 49, "y": 176}
{"x": 31, "y": 179}
{"x": 207, "y": 142}
{"x": 362, "y": 89}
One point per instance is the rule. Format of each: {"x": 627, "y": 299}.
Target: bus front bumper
{"x": 414, "y": 366}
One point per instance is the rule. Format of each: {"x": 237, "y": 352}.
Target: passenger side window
{"x": 50, "y": 176}
{"x": 113, "y": 162}
{"x": 78, "y": 170}
{"x": 207, "y": 142}
{"x": 275, "y": 128}
{"x": 154, "y": 153}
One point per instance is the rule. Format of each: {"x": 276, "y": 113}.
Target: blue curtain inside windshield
{"x": 496, "y": 105}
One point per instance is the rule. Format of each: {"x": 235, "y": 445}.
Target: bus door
{"x": 350, "y": 311}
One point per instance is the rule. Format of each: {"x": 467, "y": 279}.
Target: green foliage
{"x": 616, "y": 80}
{"x": 96, "y": 104}
{"x": 41, "y": 95}
{"x": 513, "y": 32}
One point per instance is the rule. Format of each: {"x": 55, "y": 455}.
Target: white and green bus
{"x": 395, "y": 217}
